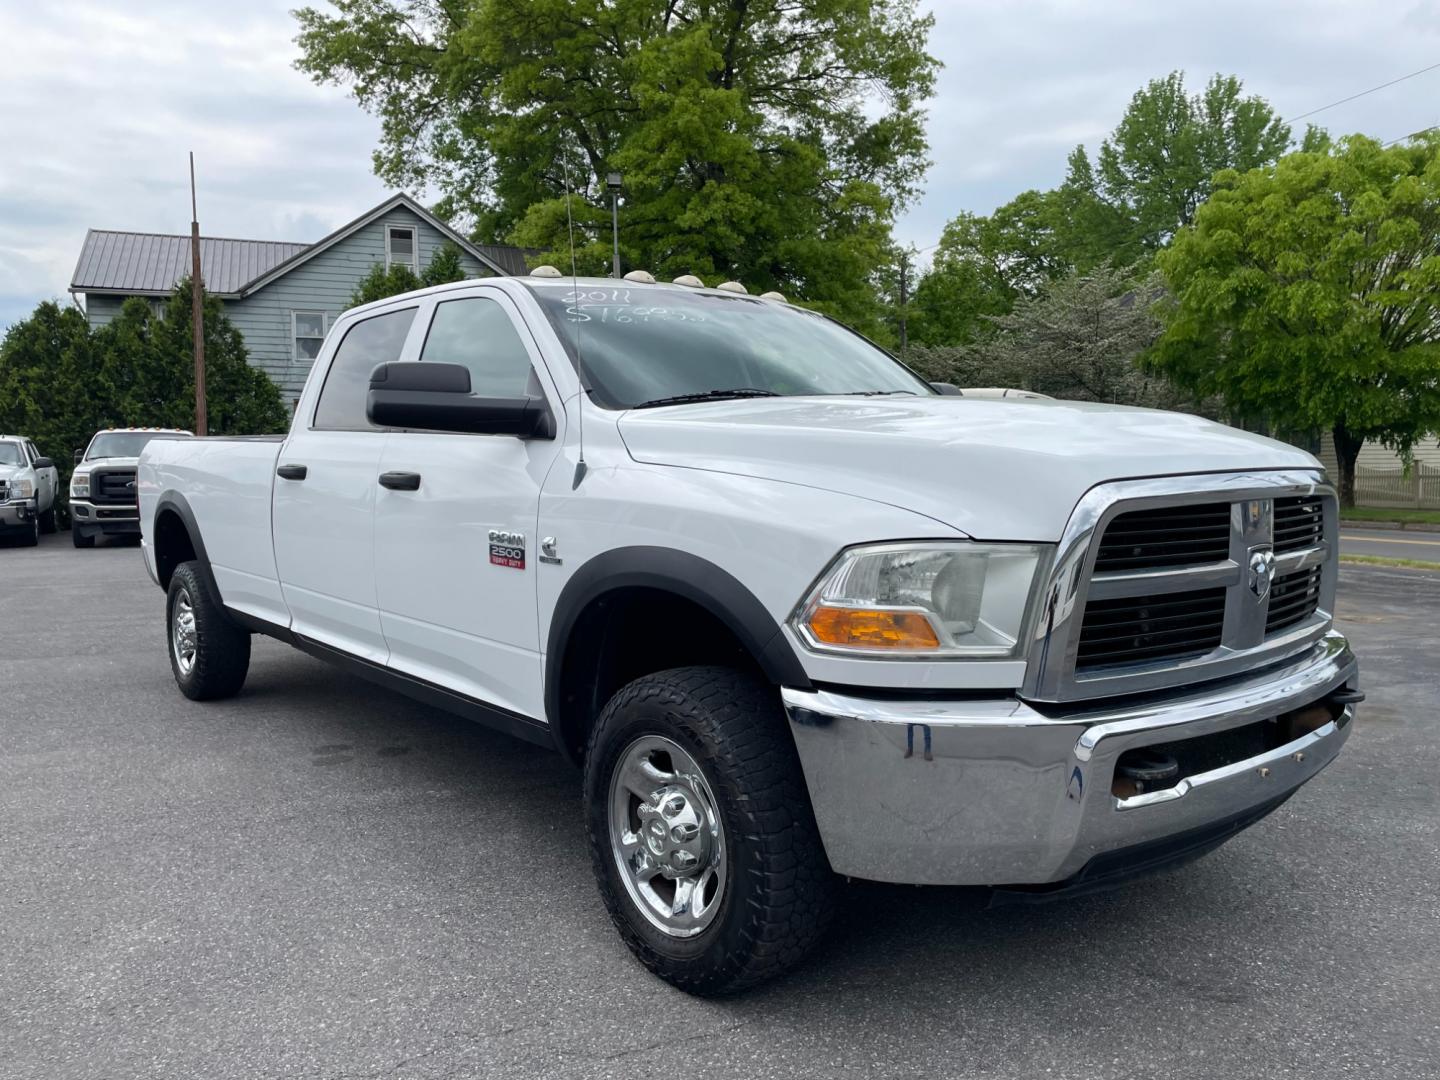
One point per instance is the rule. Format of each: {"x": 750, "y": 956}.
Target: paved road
{"x": 1393, "y": 544}
{"x": 319, "y": 879}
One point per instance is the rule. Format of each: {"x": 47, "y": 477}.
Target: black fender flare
{"x": 686, "y": 575}
{"x": 176, "y": 503}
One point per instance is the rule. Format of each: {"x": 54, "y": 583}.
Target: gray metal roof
{"x": 153, "y": 262}
{"x": 510, "y": 259}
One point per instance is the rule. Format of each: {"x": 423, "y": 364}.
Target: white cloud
{"x": 100, "y": 101}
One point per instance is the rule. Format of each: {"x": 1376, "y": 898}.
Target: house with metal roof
{"x": 282, "y": 297}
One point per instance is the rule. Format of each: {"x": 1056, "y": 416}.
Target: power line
{"x": 1413, "y": 134}
{"x": 1362, "y": 93}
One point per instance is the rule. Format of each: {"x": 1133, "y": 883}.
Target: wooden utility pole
{"x": 197, "y": 307}
{"x": 904, "y": 298}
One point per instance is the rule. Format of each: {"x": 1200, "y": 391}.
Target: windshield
{"x": 125, "y": 443}
{"x": 645, "y": 344}
{"x": 10, "y": 454}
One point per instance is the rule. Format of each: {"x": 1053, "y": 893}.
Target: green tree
{"x": 1081, "y": 338}
{"x": 382, "y": 281}
{"x": 760, "y": 140}
{"x": 51, "y": 386}
{"x": 444, "y": 266}
{"x": 1309, "y": 293}
{"x": 61, "y": 381}
{"x": 1158, "y": 165}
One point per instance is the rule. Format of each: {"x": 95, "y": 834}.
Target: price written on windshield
{"x": 617, "y": 306}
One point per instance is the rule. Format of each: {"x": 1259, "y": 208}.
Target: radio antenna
{"x": 580, "y": 465}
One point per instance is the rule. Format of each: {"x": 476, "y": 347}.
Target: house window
{"x": 308, "y": 330}
{"x": 400, "y": 247}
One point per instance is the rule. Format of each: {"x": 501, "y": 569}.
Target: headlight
{"x": 80, "y": 486}
{"x": 22, "y": 489}
{"x": 925, "y": 600}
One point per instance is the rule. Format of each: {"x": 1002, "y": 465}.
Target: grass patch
{"x": 1407, "y": 517}
{"x": 1383, "y": 560}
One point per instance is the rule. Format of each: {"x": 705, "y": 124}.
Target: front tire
{"x": 209, "y": 654}
{"x": 701, "y": 832}
{"x": 31, "y": 536}
{"x": 47, "y": 521}
{"x": 81, "y": 539}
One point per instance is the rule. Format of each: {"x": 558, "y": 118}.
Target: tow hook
{"x": 1142, "y": 770}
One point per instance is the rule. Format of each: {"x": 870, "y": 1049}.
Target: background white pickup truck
{"x": 29, "y": 483}
{"x": 797, "y": 614}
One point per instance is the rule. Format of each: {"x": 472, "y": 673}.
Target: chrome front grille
{"x": 1166, "y": 536}
{"x": 1299, "y": 523}
{"x": 1130, "y": 630}
{"x": 1164, "y": 583}
{"x": 1293, "y": 599}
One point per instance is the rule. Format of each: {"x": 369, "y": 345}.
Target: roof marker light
{"x": 732, "y": 286}
{"x": 545, "y": 271}
{"x": 690, "y": 281}
{"x": 644, "y": 277}
{"x": 773, "y": 295}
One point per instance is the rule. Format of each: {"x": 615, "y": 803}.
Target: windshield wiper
{"x": 873, "y": 393}
{"x": 707, "y": 395}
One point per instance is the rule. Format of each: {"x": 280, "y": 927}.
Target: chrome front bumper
{"x": 992, "y": 792}
{"x": 17, "y": 513}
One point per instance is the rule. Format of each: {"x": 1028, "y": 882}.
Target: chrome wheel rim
{"x": 182, "y": 632}
{"x": 666, "y": 836}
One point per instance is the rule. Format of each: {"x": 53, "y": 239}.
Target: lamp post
{"x": 613, "y": 181}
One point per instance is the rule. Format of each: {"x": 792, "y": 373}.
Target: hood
{"x": 109, "y": 463}
{"x": 994, "y": 469}
{"x": 7, "y": 471}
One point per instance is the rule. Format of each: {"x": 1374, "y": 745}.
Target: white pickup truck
{"x": 29, "y": 484}
{"x": 798, "y": 615}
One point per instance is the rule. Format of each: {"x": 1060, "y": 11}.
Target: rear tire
{"x": 81, "y": 540}
{"x": 775, "y": 895}
{"x": 47, "y": 521}
{"x": 209, "y": 654}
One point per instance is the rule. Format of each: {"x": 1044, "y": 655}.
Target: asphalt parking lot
{"x": 320, "y": 879}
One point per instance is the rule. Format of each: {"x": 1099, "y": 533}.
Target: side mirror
{"x": 79, "y": 456}
{"x": 945, "y": 389}
{"x": 44, "y": 463}
{"x": 437, "y": 397}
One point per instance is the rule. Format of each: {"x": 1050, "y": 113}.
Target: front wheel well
{"x": 173, "y": 545}
{"x": 627, "y": 633}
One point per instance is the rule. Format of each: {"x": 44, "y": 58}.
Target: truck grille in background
{"x": 4, "y": 491}
{"x": 1293, "y": 599}
{"x": 113, "y": 487}
{"x": 1299, "y": 523}
{"x": 1142, "y": 629}
{"x": 1166, "y": 536}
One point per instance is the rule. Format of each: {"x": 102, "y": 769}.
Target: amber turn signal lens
{"x": 873, "y": 629}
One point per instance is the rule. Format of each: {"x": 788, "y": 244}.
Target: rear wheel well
{"x": 173, "y": 545}
{"x": 629, "y": 632}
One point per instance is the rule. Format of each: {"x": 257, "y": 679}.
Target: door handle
{"x": 400, "y": 481}
{"x": 292, "y": 472}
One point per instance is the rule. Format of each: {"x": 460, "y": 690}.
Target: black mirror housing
{"x": 945, "y": 389}
{"x": 44, "y": 463}
{"x": 437, "y": 397}
{"x": 79, "y": 456}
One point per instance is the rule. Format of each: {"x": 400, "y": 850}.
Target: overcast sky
{"x": 99, "y": 102}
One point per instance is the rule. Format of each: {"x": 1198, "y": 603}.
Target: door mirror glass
{"x": 44, "y": 463}
{"x": 436, "y": 397}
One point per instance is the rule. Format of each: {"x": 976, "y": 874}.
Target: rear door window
{"x": 366, "y": 345}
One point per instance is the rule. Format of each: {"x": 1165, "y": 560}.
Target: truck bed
{"x": 227, "y": 483}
